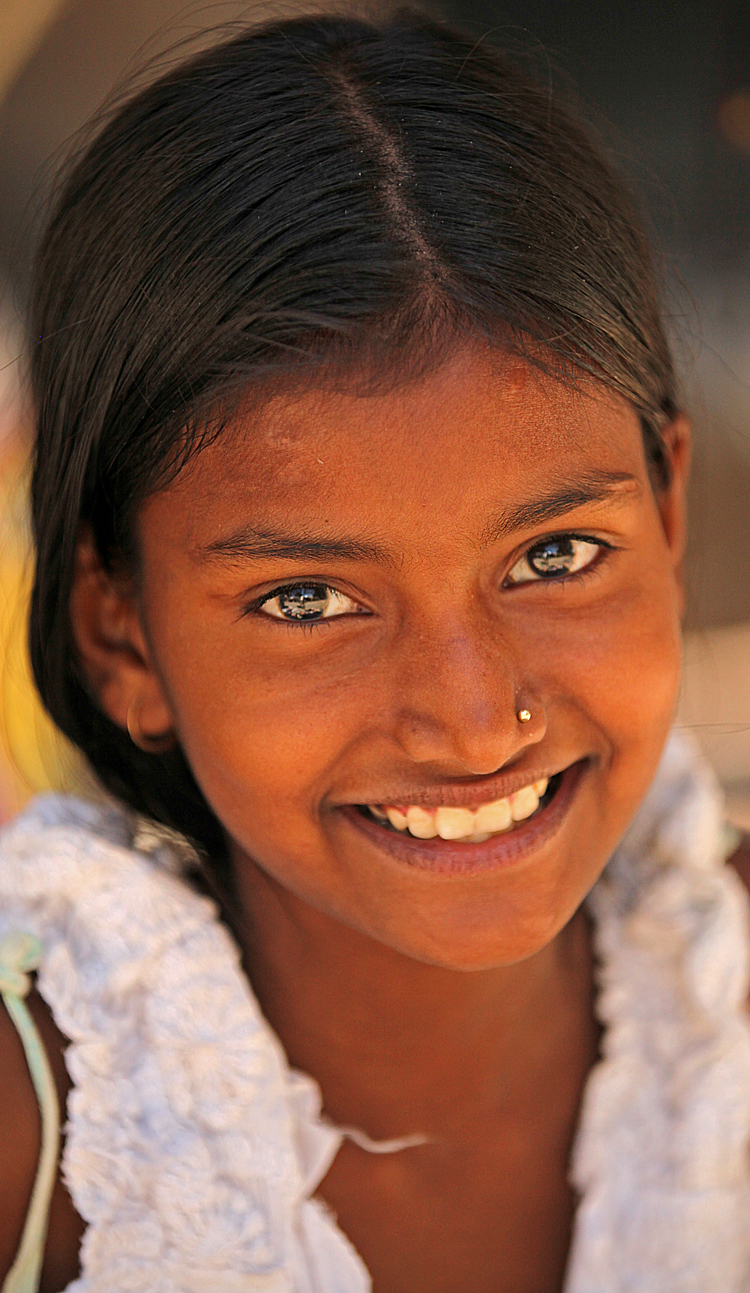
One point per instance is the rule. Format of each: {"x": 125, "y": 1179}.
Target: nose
{"x": 460, "y": 693}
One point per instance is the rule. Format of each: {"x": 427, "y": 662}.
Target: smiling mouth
{"x": 469, "y": 826}
{"x": 453, "y": 840}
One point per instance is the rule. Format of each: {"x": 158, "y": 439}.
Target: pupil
{"x": 552, "y": 557}
{"x": 305, "y": 602}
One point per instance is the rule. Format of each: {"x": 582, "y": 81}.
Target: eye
{"x": 305, "y": 602}
{"x": 563, "y": 554}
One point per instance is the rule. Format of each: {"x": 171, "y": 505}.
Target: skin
{"x": 458, "y": 1006}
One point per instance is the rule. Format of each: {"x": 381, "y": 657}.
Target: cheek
{"x": 624, "y": 680}
{"x": 632, "y": 673}
{"x": 639, "y": 696}
{"x": 260, "y": 738}
{"x": 618, "y": 658}
{"x": 646, "y": 699}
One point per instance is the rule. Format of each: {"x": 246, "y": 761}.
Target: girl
{"x": 359, "y": 510}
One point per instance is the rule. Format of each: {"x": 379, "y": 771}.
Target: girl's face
{"x": 346, "y": 603}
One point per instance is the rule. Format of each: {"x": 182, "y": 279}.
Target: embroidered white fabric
{"x": 193, "y": 1150}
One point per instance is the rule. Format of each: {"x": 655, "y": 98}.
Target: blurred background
{"x": 668, "y": 88}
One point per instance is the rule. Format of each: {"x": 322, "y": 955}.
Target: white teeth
{"x": 454, "y": 823}
{"x": 421, "y": 824}
{"x": 524, "y": 803}
{"x": 463, "y": 823}
{"x": 397, "y": 819}
{"x": 493, "y": 817}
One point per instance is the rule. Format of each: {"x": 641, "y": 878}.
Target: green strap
{"x": 20, "y": 953}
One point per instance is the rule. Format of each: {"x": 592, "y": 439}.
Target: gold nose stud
{"x": 524, "y": 716}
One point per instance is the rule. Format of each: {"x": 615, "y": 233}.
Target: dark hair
{"x": 312, "y": 192}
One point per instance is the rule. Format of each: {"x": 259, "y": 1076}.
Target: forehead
{"x": 481, "y": 429}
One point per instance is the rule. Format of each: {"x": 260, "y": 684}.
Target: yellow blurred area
{"x": 33, "y": 754}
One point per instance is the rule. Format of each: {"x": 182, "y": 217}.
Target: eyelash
{"x": 311, "y": 625}
{"x": 576, "y": 576}
{"x": 254, "y": 606}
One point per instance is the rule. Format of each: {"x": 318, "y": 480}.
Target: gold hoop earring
{"x": 524, "y": 715}
{"x": 149, "y": 744}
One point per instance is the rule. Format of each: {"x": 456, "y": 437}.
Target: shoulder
{"x": 20, "y": 1145}
{"x": 65, "y": 823}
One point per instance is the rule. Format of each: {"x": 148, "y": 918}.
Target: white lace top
{"x": 192, "y": 1149}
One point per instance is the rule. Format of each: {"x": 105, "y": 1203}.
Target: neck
{"x": 400, "y": 1047}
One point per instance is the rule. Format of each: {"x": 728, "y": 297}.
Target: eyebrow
{"x": 251, "y": 543}
{"x": 594, "y": 487}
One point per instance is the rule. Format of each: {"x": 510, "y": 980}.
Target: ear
{"x": 112, "y": 646}
{"x": 672, "y": 498}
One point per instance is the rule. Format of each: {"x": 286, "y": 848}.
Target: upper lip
{"x": 499, "y": 786}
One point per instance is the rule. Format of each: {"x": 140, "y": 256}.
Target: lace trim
{"x": 183, "y": 1153}
{"x": 661, "y": 1159}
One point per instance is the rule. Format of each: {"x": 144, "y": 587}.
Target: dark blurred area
{"x": 668, "y": 89}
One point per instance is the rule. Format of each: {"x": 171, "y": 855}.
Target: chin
{"x": 481, "y": 943}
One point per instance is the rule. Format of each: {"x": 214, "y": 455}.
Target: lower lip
{"x": 451, "y": 857}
